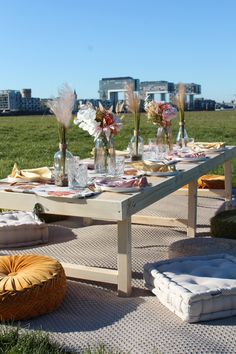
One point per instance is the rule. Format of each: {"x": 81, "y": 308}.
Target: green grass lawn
{"x": 31, "y": 141}
{"x": 14, "y": 341}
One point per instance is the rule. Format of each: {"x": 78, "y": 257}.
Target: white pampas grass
{"x": 133, "y": 102}
{"x": 63, "y": 106}
{"x": 181, "y": 97}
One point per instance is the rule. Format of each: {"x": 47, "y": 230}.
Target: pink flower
{"x": 159, "y": 113}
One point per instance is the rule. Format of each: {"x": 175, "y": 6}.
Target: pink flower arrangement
{"x": 159, "y": 113}
{"x": 97, "y": 121}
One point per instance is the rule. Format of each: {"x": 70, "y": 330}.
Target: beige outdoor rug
{"x": 93, "y": 314}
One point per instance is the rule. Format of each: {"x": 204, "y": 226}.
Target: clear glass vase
{"x": 165, "y": 137}
{"x": 104, "y": 154}
{"x": 61, "y": 161}
{"x": 136, "y": 147}
{"x": 182, "y": 137}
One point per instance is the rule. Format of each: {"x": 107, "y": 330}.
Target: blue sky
{"x": 46, "y": 43}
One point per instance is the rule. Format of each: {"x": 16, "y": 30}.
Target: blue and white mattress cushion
{"x": 196, "y": 288}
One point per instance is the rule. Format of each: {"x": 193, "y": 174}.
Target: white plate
{"x": 161, "y": 174}
{"x": 118, "y": 189}
{"x": 192, "y": 159}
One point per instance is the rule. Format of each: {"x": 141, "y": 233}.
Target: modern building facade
{"x": 10, "y": 100}
{"x": 191, "y": 90}
{"x": 200, "y": 104}
{"x": 165, "y": 91}
{"x": 15, "y": 101}
{"x": 30, "y": 104}
{"x": 109, "y": 88}
{"x": 160, "y": 88}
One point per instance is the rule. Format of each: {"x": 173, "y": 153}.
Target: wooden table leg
{"x": 228, "y": 181}
{"x": 124, "y": 258}
{"x": 192, "y": 208}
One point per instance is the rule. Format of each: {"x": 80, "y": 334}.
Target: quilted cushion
{"x": 196, "y": 288}
{"x": 30, "y": 285}
{"x": 20, "y": 228}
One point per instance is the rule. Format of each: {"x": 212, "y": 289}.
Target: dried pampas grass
{"x": 133, "y": 102}
{"x": 62, "y": 107}
{"x": 181, "y": 98}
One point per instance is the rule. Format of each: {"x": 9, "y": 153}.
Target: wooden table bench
{"x": 120, "y": 207}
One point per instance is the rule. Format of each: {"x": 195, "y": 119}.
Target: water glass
{"x": 77, "y": 173}
{"x": 152, "y": 148}
{"x": 118, "y": 168}
{"x": 162, "y": 151}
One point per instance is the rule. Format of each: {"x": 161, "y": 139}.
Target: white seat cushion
{"x": 196, "y": 288}
{"x": 21, "y": 228}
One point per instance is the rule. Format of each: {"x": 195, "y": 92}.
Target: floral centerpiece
{"x": 103, "y": 125}
{"x": 133, "y": 105}
{"x": 161, "y": 115}
{"x": 62, "y": 108}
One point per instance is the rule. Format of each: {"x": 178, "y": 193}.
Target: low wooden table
{"x": 120, "y": 207}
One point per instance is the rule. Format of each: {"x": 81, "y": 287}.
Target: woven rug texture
{"x": 92, "y": 313}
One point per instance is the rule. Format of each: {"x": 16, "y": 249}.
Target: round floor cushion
{"x": 201, "y": 246}
{"x": 211, "y": 182}
{"x": 30, "y": 285}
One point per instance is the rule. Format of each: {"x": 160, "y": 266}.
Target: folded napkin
{"x": 152, "y": 166}
{"x": 121, "y": 183}
{"x": 212, "y": 145}
{"x": 31, "y": 175}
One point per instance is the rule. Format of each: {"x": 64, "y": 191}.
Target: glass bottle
{"x": 136, "y": 146}
{"x": 182, "y": 137}
{"x": 61, "y": 159}
{"x": 104, "y": 154}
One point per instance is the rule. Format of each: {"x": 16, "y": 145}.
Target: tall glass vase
{"x": 182, "y": 136}
{"x": 104, "y": 154}
{"x": 165, "y": 137}
{"x": 136, "y": 146}
{"x": 61, "y": 159}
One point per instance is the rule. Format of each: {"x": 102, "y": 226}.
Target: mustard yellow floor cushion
{"x": 211, "y": 182}
{"x": 30, "y": 285}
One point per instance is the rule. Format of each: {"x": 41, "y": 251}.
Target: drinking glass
{"x": 162, "y": 151}
{"x": 77, "y": 173}
{"x": 152, "y": 148}
{"x": 118, "y": 168}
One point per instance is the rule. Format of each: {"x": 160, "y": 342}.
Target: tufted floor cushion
{"x": 30, "y": 285}
{"x": 197, "y": 288}
{"x": 20, "y": 228}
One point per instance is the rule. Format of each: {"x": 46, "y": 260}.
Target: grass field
{"x": 14, "y": 341}
{"x": 31, "y": 141}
